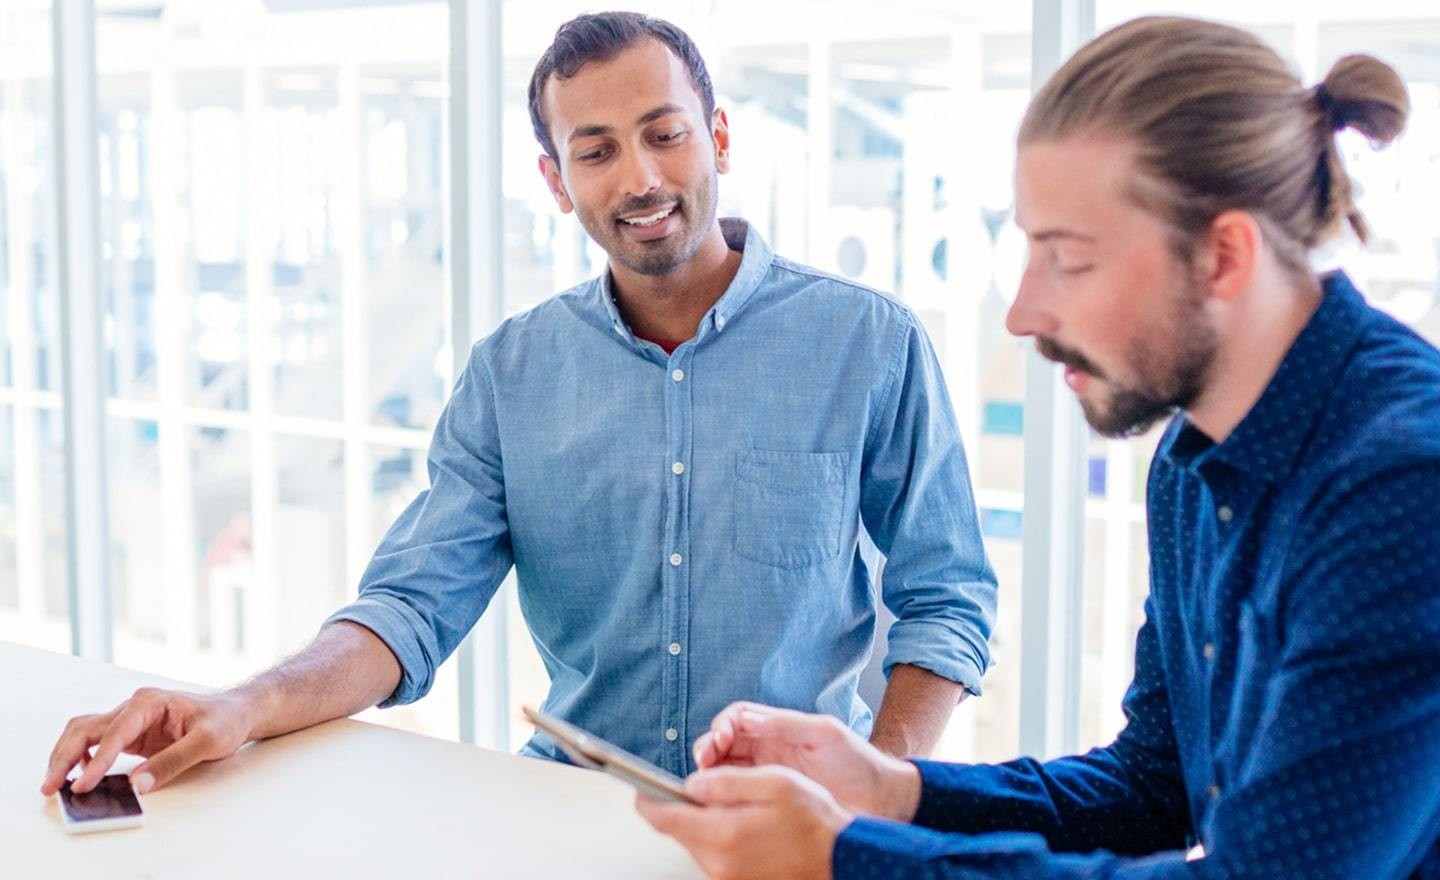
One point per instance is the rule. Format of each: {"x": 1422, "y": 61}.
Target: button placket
{"x": 675, "y": 578}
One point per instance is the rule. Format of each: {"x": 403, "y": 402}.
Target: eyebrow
{"x": 585, "y": 131}
{"x": 1052, "y": 234}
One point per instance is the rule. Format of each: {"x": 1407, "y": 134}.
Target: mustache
{"x": 1054, "y": 351}
{"x": 648, "y": 204}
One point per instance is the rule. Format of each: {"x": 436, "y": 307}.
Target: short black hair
{"x": 600, "y": 36}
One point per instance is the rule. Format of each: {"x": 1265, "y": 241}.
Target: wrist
{"x": 900, "y": 790}
{"x": 254, "y": 706}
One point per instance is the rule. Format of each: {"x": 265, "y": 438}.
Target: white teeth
{"x": 650, "y": 220}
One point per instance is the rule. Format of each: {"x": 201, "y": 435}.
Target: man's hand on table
{"x": 172, "y": 730}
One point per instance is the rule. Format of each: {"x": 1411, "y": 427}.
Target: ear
{"x": 550, "y": 170}
{"x": 1234, "y": 251}
{"x": 720, "y": 135}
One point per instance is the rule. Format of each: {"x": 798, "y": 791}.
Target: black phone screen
{"x": 113, "y": 798}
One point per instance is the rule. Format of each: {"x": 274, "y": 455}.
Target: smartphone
{"x": 589, "y": 751}
{"x": 111, "y": 804}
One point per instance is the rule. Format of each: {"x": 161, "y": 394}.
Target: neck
{"x": 1263, "y": 324}
{"x": 671, "y": 306}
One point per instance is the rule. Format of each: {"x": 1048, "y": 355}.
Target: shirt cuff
{"x": 939, "y": 783}
{"x": 871, "y": 849}
{"x": 874, "y": 848}
{"x": 879, "y": 848}
{"x": 397, "y": 626}
{"x": 939, "y": 647}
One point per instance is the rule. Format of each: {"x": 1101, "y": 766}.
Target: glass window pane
{"x": 9, "y": 521}
{"x": 300, "y": 133}
{"x": 126, "y": 131}
{"x": 34, "y": 602}
{"x": 29, "y": 307}
{"x": 273, "y": 214}
{"x": 404, "y": 129}
{"x": 33, "y": 571}
{"x": 137, "y": 545}
{"x": 51, "y": 612}
{"x": 220, "y": 506}
{"x": 309, "y": 537}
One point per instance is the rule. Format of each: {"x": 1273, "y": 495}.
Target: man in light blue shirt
{"x": 677, "y": 458}
{"x": 684, "y": 523}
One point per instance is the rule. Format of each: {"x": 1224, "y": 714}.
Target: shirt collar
{"x": 755, "y": 261}
{"x": 1269, "y": 438}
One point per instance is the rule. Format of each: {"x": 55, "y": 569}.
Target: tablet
{"x": 594, "y": 753}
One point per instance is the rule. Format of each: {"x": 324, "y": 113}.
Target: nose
{"x": 1027, "y": 316}
{"x": 641, "y": 173}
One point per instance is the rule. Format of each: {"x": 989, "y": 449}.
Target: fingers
{"x": 714, "y": 745}
{"x": 741, "y": 785}
{"x": 751, "y": 733}
{"x": 709, "y": 751}
{"x": 667, "y": 817}
{"x": 698, "y": 829}
{"x": 194, "y": 747}
{"x": 72, "y": 747}
{"x": 726, "y": 742}
{"x": 128, "y": 726}
{"x": 704, "y": 751}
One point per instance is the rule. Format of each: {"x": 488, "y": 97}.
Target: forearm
{"x": 346, "y": 668}
{"x": 914, "y": 711}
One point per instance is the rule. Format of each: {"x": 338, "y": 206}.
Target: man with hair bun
{"x": 1284, "y": 718}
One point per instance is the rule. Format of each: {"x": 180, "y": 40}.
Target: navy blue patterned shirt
{"x": 1285, "y": 711}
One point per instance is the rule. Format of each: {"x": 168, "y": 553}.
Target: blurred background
{"x": 273, "y": 205}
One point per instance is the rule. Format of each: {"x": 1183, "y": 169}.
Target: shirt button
{"x": 1214, "y": 791}
{"x": 1225, "y": 513}
{"x": 672, "y": 734}
{"x": 674, "y": 649}
{"x": 719, "y": 322}
{"x": 1209, "y": 651}
{"x": 676, "y": 559}
{"x": 677, "y": 468}
{"x": 677, "y": 375}
{"x": 618, "y": 328}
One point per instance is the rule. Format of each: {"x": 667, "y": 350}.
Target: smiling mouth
{"x": 649, "y": 219}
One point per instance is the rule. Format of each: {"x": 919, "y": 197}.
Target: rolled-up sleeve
{"x": 919, "y": 509}
{"x": 440, "y": 563}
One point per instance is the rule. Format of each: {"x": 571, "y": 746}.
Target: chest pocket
{"x": 789, "y": 506}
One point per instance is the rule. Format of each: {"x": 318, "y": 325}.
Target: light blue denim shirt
{"x": 684, "y": 527}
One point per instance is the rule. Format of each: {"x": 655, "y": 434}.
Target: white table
{"x": 344, "y": 799}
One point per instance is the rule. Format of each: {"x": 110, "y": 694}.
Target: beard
{"x": 696, "y": 212}
{"x": 1179, "y": 361}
